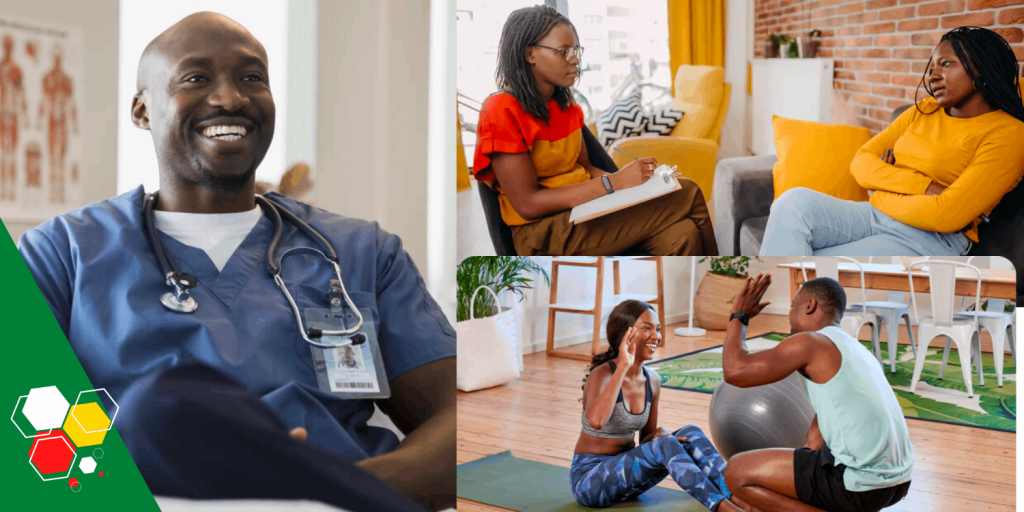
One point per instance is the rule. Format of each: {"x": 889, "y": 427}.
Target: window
{"x": 477, "y": 31}
{"x": 627, "y": 33}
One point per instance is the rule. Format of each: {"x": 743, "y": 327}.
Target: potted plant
{"x": 719, "y": 287}
{"x": 500, "y": 273}
{"x": 787, "y": 47}
{"x": 809, "y": 45}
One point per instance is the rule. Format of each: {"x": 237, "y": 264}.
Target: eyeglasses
{"x": 570, "y": 53}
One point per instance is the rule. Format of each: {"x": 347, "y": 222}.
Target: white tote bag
{"x": 484, "y": 358}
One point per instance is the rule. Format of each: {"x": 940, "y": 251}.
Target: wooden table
{"x": 995, "y": 283}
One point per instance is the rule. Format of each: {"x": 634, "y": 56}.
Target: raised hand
{"x": 627, "y": 349}
{"x": 749, "y": 299}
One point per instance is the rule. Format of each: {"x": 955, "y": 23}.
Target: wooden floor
{"x": 956, "y": 468}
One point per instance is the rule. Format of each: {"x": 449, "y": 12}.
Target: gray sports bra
{"x": 622, "y": 424}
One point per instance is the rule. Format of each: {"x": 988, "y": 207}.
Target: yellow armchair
{"x": 693, "y": 145}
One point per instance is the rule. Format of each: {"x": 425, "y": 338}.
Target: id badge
{"x": 350, "y": 371}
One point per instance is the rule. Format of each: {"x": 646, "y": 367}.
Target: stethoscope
{"x": 180, "y": 300}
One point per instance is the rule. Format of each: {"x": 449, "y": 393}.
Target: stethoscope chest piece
{"x": 173, "y": 303}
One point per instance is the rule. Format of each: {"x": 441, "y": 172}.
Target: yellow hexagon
{"x": 92, "y": 417}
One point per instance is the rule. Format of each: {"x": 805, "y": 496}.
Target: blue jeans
{"x": 600, "y": 481}
{"x": 804, "y": 222}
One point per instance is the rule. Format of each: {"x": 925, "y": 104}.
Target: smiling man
{"x": 214, "y": 376}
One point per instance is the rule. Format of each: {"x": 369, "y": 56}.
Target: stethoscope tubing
{"x": 184, "y": 282}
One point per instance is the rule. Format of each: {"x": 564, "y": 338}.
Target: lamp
{"x": 691, "y": 331}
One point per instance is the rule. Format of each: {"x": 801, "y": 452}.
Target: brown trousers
{"x": 676, "y": 224}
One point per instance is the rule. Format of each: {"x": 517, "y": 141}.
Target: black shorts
{"x": 819, "y": 482}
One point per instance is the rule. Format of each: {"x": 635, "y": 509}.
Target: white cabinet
{"x": 791, "y": 88}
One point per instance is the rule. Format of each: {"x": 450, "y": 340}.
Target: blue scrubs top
{"x": 101, "y": 278}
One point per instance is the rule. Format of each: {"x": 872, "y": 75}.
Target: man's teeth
{"x": 651, "y": 345}
{"x": 225, "y": 132}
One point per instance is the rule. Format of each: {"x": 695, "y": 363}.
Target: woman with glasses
{"x": 530, "y": 149}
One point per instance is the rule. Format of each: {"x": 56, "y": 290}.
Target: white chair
{"x": 998, "y": 323}
{"x": 889, "y": 314}
{"x": 962, "y": 331}
{"x": 853, "y": 318}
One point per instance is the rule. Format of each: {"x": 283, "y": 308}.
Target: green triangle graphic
{"x": 37, "y": 355}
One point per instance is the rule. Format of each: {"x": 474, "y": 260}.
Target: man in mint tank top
{"x": 858, "y": 455}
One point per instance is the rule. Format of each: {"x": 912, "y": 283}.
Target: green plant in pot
{"x": 812, "y": 44}
{"x": 500, "y": 273}
{"x": 787, "y": 47}
{"x": 712, "y": 304}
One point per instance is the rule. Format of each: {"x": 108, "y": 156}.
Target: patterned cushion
{"x": 662, "y": 123}
{"x": 623, "y": 119}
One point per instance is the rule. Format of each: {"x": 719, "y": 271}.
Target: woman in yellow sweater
{"x": 530, "y": 149}
{"x": 933, "y": 174}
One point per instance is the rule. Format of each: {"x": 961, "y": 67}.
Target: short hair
{"x": 829, "y": 293}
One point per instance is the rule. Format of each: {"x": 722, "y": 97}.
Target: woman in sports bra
{"x": 620, "y": 397}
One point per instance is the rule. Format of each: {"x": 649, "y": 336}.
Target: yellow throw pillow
{"x": 817, "y": 156}
{"x": 697, "y": 121}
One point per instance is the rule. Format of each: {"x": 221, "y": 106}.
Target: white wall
{"x": 441, "y": 152}
{"x": 98, "y": 19}
{"x": 372, "y": 123}
{"x": 739, "y": 48}
{"x": 302, "y": 59}
{"x": 142, "y": 21}
{"x": 578, "y": 283}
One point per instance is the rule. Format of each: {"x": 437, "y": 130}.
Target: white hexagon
{"x": 46, "y": 408}
{"x": 88, "y": 465}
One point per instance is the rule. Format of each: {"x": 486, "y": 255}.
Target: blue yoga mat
{"x": 505, "y": 481}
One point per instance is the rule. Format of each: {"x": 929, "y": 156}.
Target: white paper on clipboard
{"x": 662, "y": 182}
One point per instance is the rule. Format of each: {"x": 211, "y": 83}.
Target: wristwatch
{"x": 742, "y": 316}
{"x": 607, "y": 183}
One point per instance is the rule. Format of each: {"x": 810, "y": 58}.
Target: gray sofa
{"x": 743, "y": 195}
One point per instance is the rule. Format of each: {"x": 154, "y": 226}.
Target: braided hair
{"x": 523, "y": 29}
{"x": 997, "y": 76}
{"x": 619, "y": 321}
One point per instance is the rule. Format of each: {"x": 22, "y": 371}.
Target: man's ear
{"x": 811, "y": 305}
{"x": 139, "y": 112}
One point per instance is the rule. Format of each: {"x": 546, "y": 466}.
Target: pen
{"x": 625, "y": 153}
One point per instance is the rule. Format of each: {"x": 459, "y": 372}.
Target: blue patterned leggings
{"x": 600, "y": 481}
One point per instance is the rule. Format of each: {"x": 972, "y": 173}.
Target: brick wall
{"x": 881, "y": 47}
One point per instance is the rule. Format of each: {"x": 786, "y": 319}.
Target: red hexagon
{"x": 53, "y": 453}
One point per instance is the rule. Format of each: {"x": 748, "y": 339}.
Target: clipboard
{"x": 661, "y": 183}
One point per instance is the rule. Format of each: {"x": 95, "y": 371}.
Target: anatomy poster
{"x": 41, "y": 74}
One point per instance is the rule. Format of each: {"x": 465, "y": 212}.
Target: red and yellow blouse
{"x": 554, "y": 147}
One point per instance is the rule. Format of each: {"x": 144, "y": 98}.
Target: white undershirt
{"x": 218, "y": 234}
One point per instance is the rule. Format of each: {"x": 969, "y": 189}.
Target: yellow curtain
{"x": 696, "y": 33}
{"x": 462, "y": 181}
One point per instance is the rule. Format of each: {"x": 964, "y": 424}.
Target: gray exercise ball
{"x": 772, "y": 416}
